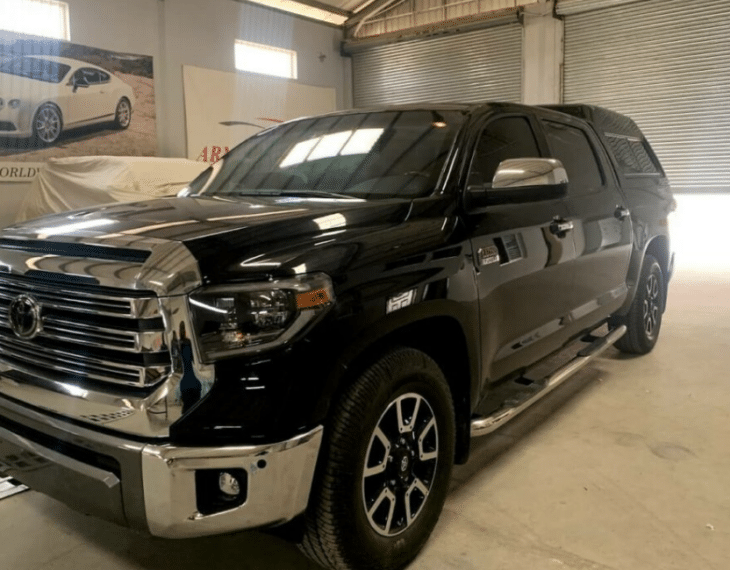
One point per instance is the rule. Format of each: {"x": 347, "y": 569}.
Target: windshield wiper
{"x": 317, "y": 194}
{"x": 304, "y": 193}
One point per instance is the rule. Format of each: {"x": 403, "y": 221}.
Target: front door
{"x": 87, "y": 102}
{"x": 523, "y": 265}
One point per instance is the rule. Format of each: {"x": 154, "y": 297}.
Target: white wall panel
{"x": 203, "y": 34}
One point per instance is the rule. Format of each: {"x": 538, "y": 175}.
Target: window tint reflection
{"x": 363, "y": 155}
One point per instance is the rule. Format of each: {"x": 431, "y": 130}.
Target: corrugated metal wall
{"x": 665, "y": 63}
{"x": 475, "y": 66}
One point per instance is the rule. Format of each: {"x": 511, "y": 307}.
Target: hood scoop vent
{"x": 76, "y": 250}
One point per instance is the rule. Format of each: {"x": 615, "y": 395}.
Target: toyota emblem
{"x": 24, "y": 314}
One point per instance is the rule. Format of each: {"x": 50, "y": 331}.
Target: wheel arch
{"x": 443, "y": 339}
{"x": 123, "y": 97}
{"x": 61, "y": 113}
{"x": 658, "y": 248}
{"x": 56, "y": 104}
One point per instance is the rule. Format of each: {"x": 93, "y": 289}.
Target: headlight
{"x": 242, "y": 319}
{"x": 14, "y": 103}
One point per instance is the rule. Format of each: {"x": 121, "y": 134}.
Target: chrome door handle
{"x": 621, "y": 213}
{"x": 560, "y": 227}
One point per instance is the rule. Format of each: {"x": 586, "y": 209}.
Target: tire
{"x": 123, "y": 114}
{"x": 644, "y": 319}
{"x": 47, "y": 125}
{"x": 352, "y": 522}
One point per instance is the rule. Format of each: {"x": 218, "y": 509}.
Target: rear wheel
{"x": 123, "y": 115}
{"x": 644, "y": 319}
{"x": 386, "y": 466}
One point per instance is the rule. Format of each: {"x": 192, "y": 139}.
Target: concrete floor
{"x": 626, "y": 466}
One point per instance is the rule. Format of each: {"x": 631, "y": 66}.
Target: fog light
{"x": 218, "y": 490}
{"x": 229, "y": 485}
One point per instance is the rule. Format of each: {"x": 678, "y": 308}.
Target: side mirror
{"x": 519, "y": 180}
{"x": 78, "y": 83}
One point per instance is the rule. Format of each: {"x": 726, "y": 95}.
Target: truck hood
{"x": 220, "y": 233}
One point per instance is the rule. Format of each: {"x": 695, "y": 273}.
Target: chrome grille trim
{"x": 79, "y": 301}
{"x": 89, "y": 332}
{"x": 27, "y": 357}
{"x": 113, "y": 339}
{"x": 169, "y": 273}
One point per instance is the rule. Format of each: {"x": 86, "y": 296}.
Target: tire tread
{"x": 324, "y": 539}
{"x": 634, "y": 341}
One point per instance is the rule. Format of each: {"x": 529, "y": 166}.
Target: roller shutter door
{"x": 665, "y": 63}
{"x": 470, "y": 67}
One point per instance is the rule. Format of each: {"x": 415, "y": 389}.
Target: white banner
{"x": 223, "y": 108}
{"x": 19, "y": 171}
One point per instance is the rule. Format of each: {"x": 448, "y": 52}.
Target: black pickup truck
{"x": 310, "y": 334}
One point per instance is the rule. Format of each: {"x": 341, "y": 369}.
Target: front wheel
{"x": 47, "y": 125}
{"x": 645, "y": 315}
{"x": 387, "y": 461}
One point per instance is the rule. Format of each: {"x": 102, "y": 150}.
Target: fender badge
{"x": 400, "y": 301}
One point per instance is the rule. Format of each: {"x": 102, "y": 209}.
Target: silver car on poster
{"x": 41, "y": 96}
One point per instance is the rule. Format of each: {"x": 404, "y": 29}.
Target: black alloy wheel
{"x": 651, "y": 307}
{"x": 400, "y": 464}
{"x": 384, "y": 466}
{"x": 644, "y": 319}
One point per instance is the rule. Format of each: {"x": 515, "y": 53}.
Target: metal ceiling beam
{"x": 325, "y": 7}
{"x": 569, "y": 7}
{"x": 369, "y": 10}
{"x": 311, "y": 3}
{"x": 454, "y": 26}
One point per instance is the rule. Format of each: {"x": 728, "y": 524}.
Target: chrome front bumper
{"x": 152, "y": 488}
{"x": 279, "y": 481}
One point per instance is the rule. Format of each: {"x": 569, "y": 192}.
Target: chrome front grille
{"x": 89, "y": 332}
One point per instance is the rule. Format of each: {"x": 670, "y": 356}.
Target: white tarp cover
{"x": 74, "y": 183}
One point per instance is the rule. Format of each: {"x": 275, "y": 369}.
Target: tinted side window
{"x": 510, "y": 137}
{"x": 86, "y": 76}
{"x": 103, "y": 77}
{"x": 631, "y": 155}
{"x": 570, "y": 145}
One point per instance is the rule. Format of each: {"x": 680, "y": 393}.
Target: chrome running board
{"x": 486, "y": 425}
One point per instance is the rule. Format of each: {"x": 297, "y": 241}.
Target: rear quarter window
{"x": 631, "y": 155}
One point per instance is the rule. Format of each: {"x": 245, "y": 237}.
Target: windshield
{"x": 34, "y": 68}
{"x": 359, "y": 155}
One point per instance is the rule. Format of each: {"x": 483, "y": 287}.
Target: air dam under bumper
{"x": 152, "y": 488}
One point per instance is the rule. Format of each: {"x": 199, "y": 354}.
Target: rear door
{"x": 601, "y": 220}
{"x": 523, "y": 268}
